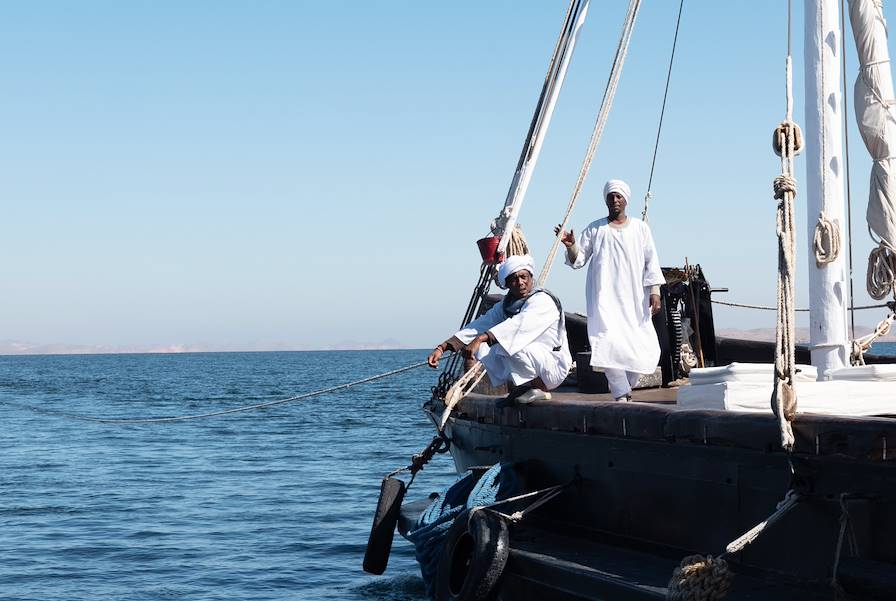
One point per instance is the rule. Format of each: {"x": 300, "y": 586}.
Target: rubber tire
{"x": 476, "y": 550}
{"x": 379, "y": 545}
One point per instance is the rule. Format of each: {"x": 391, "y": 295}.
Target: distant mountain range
{"x": 19, "y": 347}
{"x": 802, "y": 334}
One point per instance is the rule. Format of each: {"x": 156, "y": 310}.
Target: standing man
{"x": 521, "y": 340}
{"x": 622, "y": 291}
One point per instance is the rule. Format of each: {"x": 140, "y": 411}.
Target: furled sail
{"x": 505, "y": 222}
{"x": 874, "y": 106}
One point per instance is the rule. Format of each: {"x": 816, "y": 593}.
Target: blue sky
{"x": 308, "y": 174}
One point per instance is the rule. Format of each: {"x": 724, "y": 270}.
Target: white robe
{"x": 624, "y": 266}
{"x": 525, "y": 343}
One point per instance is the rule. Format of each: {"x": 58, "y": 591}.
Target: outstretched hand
{"x": 567, "y": 238}
{"x": 434, "y": 356}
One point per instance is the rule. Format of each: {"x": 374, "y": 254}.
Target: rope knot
{"x": 783, "y": 184}
{"x": 785, "y": 134}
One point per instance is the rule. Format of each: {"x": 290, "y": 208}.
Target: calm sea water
{"x": 269, "y": 504}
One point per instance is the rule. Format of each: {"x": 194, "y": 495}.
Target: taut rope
{"x": 181, "y": 418}
{"x": 659, "y": 129}
{"x": 602, "y": 116}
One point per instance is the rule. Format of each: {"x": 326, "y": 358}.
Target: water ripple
{"x": 266, "y": 505}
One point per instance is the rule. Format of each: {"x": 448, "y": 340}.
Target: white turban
{"x": 512, "y": 265}
{"x": 617, "y": 185}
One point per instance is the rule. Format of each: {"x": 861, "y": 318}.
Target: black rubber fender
{"x": 476, "y": 549}
{"x": 379, "y": 545}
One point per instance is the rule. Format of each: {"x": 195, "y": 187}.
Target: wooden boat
{"x": 646, "y": 500}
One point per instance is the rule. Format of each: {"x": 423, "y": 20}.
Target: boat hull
{"x": 666, "y": 484}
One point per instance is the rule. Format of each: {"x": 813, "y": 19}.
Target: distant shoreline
{"x": 56, "y": 352}
{"x": 17, "y": 348}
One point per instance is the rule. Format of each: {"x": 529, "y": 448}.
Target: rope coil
{"x": 826, "y": 240}
{"x": 699, "y": 578}
{"x": 881, "y": 276}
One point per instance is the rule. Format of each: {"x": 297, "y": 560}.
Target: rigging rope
{"x": 768, "y": 308}
{"x": 787, "y": 137}
{"x": 505, "y": 224}
{"x": 862, "y": 345}
{"x": 845, "y": 112}
{"x": 472, "y": 377}
{"x": 544, "y": 108}
{"x": 605, "y": 106}
{"x": 180, "y": 418}
{"x": 649, "y": 195}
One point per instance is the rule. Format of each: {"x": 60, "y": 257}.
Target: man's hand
{"x": 567, "y": 238}
{"x": 434, "y": 356}
{"x": 469, "y": 350}
{"x": 655, "y": 304}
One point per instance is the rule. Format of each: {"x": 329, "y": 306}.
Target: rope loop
{"x": 826, "y": 240}
{"x": 784, "y": 183}
{"x": 881, "y": 276}
{"x": 782, "y": 137}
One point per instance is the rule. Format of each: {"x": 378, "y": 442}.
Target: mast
{"x": 828, "y": 286}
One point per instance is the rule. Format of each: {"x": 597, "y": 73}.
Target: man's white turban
{"x": 512, "y": 265}
{"x": 617, "y": 185}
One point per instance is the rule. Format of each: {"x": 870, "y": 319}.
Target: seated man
{"x": 521, "y": 341}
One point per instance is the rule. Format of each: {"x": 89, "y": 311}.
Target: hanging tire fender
{"x": 474, "y": 556}
{"x": 379, "y": 545}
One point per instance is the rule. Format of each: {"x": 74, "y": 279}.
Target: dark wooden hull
{"x": 658, "y": 484}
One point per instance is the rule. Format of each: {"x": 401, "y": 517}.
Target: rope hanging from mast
{"x": 649, "y": 196}
{"x": 606, "y": 104}
{"x": 787, "y": 142}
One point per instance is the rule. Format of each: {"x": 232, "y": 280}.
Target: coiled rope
{"x": 880, "y": 279}
{"x": 705, "y": 578}
{"x": 181, "y": 418}
{"x": 827, "y": 240}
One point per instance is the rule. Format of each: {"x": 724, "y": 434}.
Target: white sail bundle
{"x": 544, "y": 110}
{"x": 874, "y": 106}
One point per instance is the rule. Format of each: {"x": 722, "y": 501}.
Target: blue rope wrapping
{"x": 428, "y": 536}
